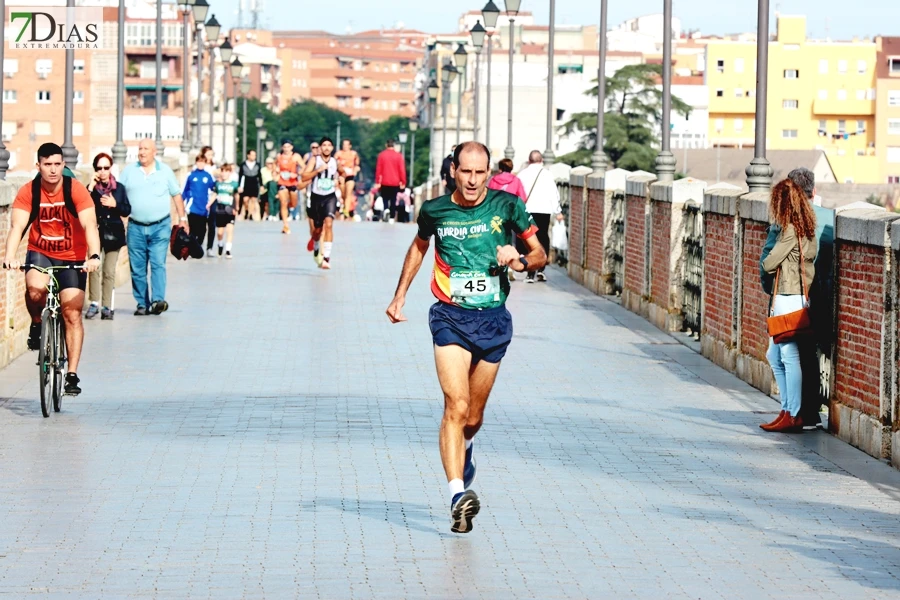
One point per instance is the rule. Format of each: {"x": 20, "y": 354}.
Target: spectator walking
{"x": 390, "y": 178}
{"x": 196, "y": 198}
{"x": 506, "y": 181}
{"x": 151, "y": 187}
{"x": 542, "y": 201}
{"x": 249, "y": 186}
{"x": 792, "y": 262}
{"x": 446, "y": 174}
{"x": 270, "y": 182}
{"x": 209, "y": 155}
{"x": 111, "y": 206}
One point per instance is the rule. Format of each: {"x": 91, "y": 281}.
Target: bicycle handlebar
{"x": 48, "y": 269}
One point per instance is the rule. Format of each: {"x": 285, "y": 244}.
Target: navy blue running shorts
{"x": 485, "y": 333}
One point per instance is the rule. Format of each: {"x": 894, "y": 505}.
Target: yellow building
{"x": 887, "y": 109}
{"x": 821, "y": 96}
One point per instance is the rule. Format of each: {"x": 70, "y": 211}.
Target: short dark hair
{"x": 102, "y": 155}
{"x": 389, "y": 143}
{"x": 324, "y": 139}
{"x": 805, "y": 180}
{"x": 505, "y": 165}
{"x": 47, "y": 150}
{"x": 470, "y": 146}
{"x": 251, "y": 150}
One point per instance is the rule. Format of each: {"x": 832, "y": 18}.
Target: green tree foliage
{"x": 633, "y": 112}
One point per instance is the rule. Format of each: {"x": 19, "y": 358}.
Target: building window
{"x": 738, "y": 93}
{"x": 842, "y": 94}
{"x": 10, "y": 66}
{"x": 788, "y": 133}
{"x": 720, "y": 65}
{"x": 860, "y": 126}
{"x": 78, "y": 65}
{"x": 357, "y": 103}
{"x": 42, "y": 128}
{"x": 77, "y": 97}
{"x": 720, "y": 93}
{"x": 842, "y": 126}
{"x": 823, "y": 94}
{"x": 720, "y": 125}
{"x": 823, "y": 125}
{"x": 860, "y": 94}
{"x": 842, "y": 67}
{"x": 895, "y": 66}
{"x": 861, "y": 67}
{"x": 893, "y": 154}
{"x": 790, "y": 104}
{"x": 43, "y": 67}
{"x": 870, "y": 94}
{"x": 43, "y": 97}
{"x": 739, "y": 65}
{"x": 739, "y": 125}
{"x": 894, "y": 98}
{"x": 893, "y": 127}
{"x": 10, "y": 96}
{"x": 823, "y": 66}
{"x": 893, "y": 178}
{"x": 791, "y": 74}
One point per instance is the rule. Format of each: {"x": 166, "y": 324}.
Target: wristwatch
{"x": 524, "y": 262}
{"x": 182, "y": 218}
{"x": 94, "y": 256}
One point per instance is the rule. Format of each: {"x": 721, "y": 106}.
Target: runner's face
{"x": 287, "y": 149}
{"x": 471, "y": 174}
{"x": 51, "y": 168}
{"x": 326, "y": 148}
{"x": 347, "y": 146}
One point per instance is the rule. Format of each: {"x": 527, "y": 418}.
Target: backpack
{"x": 36, "y": 199}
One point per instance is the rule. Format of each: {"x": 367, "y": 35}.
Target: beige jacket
{"x": 786, "y": 255}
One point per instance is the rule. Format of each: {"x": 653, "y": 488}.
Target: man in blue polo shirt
{"x": 151, "y": 186}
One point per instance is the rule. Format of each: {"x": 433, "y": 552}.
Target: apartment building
{"x": 821, "y": 96}
{"x": 370, "y": 75}
{"x": 887, "y": 109}
{"x": 262, "y": 66}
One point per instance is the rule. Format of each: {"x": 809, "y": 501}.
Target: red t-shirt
{"x": 56, "y": 232}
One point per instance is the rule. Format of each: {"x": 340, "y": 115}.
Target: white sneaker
{"x": 392, "y": 221}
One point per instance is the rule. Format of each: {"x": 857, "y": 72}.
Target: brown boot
{"x": 769, "y": 426}
{"x": 789, "y": 424}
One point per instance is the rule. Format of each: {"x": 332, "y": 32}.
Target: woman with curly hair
{"x": 792, "y": 260}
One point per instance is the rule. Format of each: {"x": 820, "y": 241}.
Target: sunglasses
{"x": 103, "y": 168}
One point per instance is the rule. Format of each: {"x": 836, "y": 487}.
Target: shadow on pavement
{"x": 417, "y": 517}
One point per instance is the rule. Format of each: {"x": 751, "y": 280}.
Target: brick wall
{"x": 718, "y": 276}
{"x": 576, "y": 227}
{"x": 635, "y": 243}
{"x": 594, "y": 231}
{"x": 755, "y": 302}
{"x": 13, "y": 315}
{"x": 660, "y": 252}
{"x": 860, "y": 301}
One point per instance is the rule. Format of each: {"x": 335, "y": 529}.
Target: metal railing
{"x": 692, "y": 280}
{"x": 616, "y": 251}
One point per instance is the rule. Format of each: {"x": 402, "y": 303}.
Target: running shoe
{"x": 541, "y": 277}
{"x": 318, "y": 258}
{"x": 159, "y": 307}
{"x": 92, "y": 311}
{"x": 529, "y": 279}
{"x": 141, "y": 311}
{"x": 310, "y": 245}
{"x": 228, "y": 254}
{"x": 72, "y": 388}
{"x": 469, "y": 468}
{"x": 286, "y": 230}
{"x": 210, "y": 253}
{"x": 221, "y": 250}
{"x": 107, "y": 314}
{"x": 325, "y": 264}
{"x": 463, "y": 509}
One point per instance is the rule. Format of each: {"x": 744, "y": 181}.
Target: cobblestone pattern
{"x": 273, "y": 436}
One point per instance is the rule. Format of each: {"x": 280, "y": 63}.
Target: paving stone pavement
{"x": 273, "y": 436}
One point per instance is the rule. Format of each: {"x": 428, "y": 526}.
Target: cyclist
{"x": 348, "y": 163}
{"x": 226, "y": 194}
{"x": 289, "y": 165}
{"x": 64, "y": 233}
{"x": 323, "y": 173}
{"x": 470, "y": 325}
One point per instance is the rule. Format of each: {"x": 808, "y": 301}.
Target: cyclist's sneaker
{"x": 228, "y": 254}
{"x": 71, "y": 388}
{"x": 463, "y": 509}
{"x": 141, "y": 311}
{"x": 34, "y": 337}
{"x": 310, "y": 245}
{"x": 92, "y": 311}
{"x": 158, "y": 308}
{"x": 469, "y": 468}
{"x": 106, "y": 314}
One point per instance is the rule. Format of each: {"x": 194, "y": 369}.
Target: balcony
{"x": 851, "y": 108}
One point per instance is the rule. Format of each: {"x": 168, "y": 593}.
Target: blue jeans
{"x": 785, "y": 361}
{"x": 148, "y": 245}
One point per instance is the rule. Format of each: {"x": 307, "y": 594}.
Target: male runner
{"x": 289, "y": 164}
{"x": 348, "y": 163}
{"x": 58, "y": 238}
{"x": 470, "y": 325}
{"x": 323, "y": 173}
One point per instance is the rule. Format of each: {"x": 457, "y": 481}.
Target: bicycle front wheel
{"x": 60, "y": 370}
{"x": 46, "y": 362}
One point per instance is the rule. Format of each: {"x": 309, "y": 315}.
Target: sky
{"x": 838, "y": 19}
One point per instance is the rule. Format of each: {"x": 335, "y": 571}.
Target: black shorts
{"x": 291, "y": 188}
{"x": 485, "y": 333}
{"x": 224, "y": 215}
{"x": 251, "y": 189}
{"x": 68, "y": 279}
{"x": 349, "y": 178}
{"x": 321, "y": 208}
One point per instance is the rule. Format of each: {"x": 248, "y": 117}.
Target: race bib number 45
{"x": 474, "y": 287}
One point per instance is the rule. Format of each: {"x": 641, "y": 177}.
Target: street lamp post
{"x": 245, "y": 89}
{"x": 549, "y": 156}
{"x": 759, "y": 171}
{"x": 599, "y": 159}
{"x": 225, "y": 52}
{"x": 119, "y": 151}
{"x": 461, "y": 58}
{"x": 402, "y": 137}
{"x": 259, "y": 121}
{"x": 269, "y": 145}
{"x": 448, "y": 74}
{"x": 512, "y": 9}
{"x": 186, "y": 78}
{"x": 413, "y": 127}
{"x": 70, "y": 153}
{"x": 200, "y": 9}
{"x": 260, "y": 138}
{"x": 490, "y": 13}
{"x": 665, "y": 160}
{"x": 478, "y": 33}
{"x": 158, "y": 69}
{"x": 212, "y": 36}
{"x": 433, "y": 91}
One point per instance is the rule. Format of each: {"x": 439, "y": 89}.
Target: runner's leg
{"x": 481, "y": 382}
{"x": 453, "y": 367}
{"x": 284, "y": 197}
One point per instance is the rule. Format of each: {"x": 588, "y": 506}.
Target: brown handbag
{"x": 784, "y": 328}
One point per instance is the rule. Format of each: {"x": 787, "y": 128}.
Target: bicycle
{"x": 52, "y": 352}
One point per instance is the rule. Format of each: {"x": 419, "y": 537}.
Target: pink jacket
{"x": 508, "y": 183}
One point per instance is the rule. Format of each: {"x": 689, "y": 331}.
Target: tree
{"x": 633, "y": 107}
